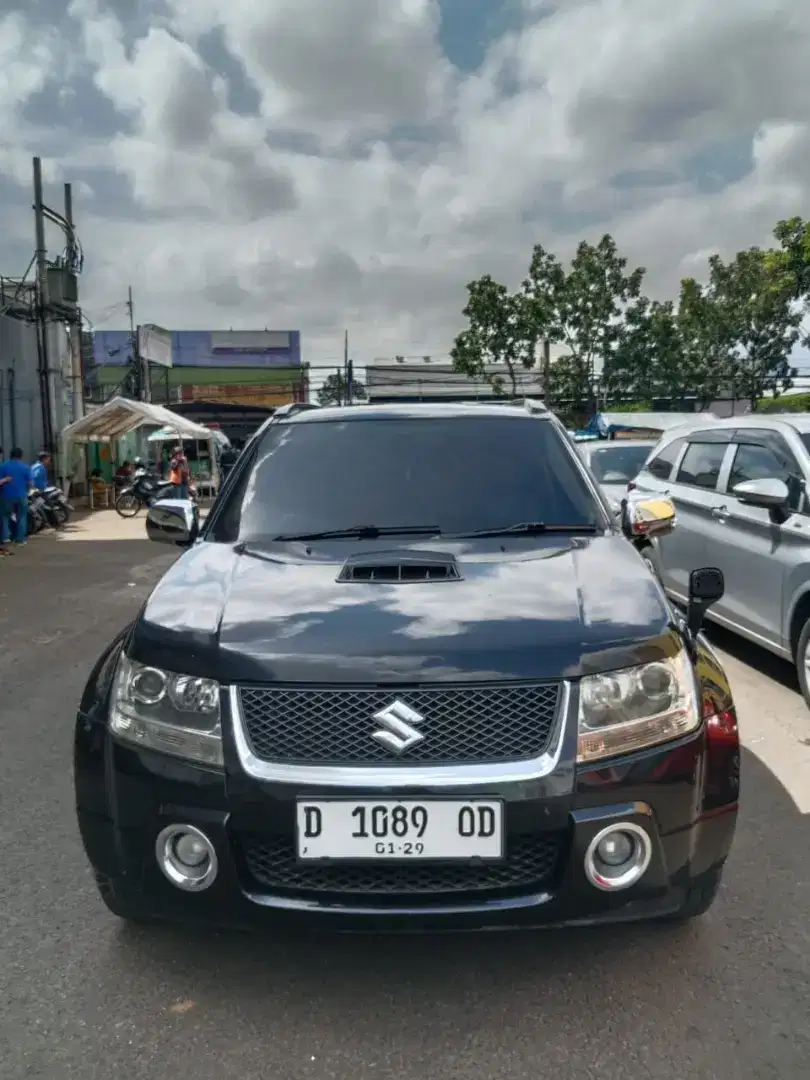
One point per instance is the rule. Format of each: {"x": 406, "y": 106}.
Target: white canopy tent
{"x": 119, "y": 416}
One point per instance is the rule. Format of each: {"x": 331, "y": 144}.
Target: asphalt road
{"x": 83, "y": 996}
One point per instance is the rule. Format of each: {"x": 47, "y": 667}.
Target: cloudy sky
{"x": 321, "y": 164}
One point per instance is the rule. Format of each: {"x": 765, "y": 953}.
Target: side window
{"x": 661, "y": 465}
{"x": 701, "y": 465}
{"x": 771, "y": 461}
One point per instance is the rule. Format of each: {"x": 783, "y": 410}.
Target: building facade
{"x": 22, "y": 416}
{"x": 233, "y": 367}
{"x": 432, "y": 378}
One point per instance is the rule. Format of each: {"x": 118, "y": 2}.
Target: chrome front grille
{"x": 460, "y": 724}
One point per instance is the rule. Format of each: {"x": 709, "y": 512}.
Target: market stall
{"x": 119, "y": 416}
{"x": 206, "y": 482}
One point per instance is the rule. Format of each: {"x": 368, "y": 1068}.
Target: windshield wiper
{"x": 532, "y": 528}
{"x": 362, "y": 532}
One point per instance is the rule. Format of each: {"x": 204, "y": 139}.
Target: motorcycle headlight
{"x": 635, "y": 708}
{"x": 173, "y": 714}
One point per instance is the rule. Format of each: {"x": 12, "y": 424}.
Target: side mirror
{"x": 769, "y": 494}
{"x": 616, "y": 508}
{"x": 173, "y": 521}
{"x": 648, "y": 517}
{"x": 706, "y": 587}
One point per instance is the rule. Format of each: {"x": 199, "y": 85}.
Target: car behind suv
{"x": 409, "y": 674}
{"x": 740, "y": 489}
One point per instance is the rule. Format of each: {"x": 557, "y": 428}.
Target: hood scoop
{"x": 400, "y": 567}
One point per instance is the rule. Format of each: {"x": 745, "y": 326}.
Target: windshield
{"x": 619, "y": 463}
{"x": 451, "y": 475}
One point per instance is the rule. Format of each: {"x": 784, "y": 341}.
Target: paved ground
{"x": 85, "y": 997}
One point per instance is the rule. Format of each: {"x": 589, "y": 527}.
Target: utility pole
{"x": 76, "y": 377}
{"x": 42, "y": 311}
{"x": 345, "y": 357}
{"x": 350, "y": 383}
{"x": 141, "y": 366}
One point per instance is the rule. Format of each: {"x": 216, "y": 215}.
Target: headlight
{"x": 174, "y": 714}
{"x": 637, "y": 707}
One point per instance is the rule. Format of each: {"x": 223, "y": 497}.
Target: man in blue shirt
{"x": 15, "y": 482}
{"x": 39, "y": 472}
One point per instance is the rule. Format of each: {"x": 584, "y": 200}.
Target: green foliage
{"x": 500, "y": 330}
{"x": 757, "y": 321}
{"x": 793, "y": 255}
{"x": 793, "y": 403}
{"x": 333, "y": 391}
{"x": 731, "y": 335}
{"x": 585, "y": 309}
{"x": 636, "y": 406}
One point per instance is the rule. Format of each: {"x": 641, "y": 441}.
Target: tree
{"x": 794, "y": 242}
{"x": 333, "y": 391}
{"x": 500, "y": 331}
{"x": 586, "y": 309}
{"x": 758, "y": 321}
{"x": 566, "y": 388}
{"x": 793, "y": 257}
{"x": 705, "y": 338}
{"x": 649, "y": 354}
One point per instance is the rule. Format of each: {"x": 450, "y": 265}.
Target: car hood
{"x": 548, "y": 607}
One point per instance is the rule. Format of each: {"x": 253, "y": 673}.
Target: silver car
{"x": 616, "y": 462}
{"x": 740, "y": 488}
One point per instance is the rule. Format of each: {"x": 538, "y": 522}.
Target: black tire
{"x": 127, "y": 505}
{"x": 801, "y": 653}
{"x": 700, "y": 897}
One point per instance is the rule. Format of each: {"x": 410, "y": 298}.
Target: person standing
{"x": 179, "y": 473}
{"x": 227, "y": 459}
{"x": 15, "y": 477}
{"x": 39, "y": 472}
{"x": 5, "y": 511}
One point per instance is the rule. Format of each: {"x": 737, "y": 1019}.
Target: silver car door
{"x": 756, "y": 549}
{"x": 692, "y": 490}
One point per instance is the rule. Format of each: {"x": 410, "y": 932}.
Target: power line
{"x": 22, "y": 281}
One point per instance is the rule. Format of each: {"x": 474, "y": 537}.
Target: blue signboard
{"x": 209, "y": 348}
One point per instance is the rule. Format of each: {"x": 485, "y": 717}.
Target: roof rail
{"x": 533, "y": 405}
{"x": 292, "y": 408}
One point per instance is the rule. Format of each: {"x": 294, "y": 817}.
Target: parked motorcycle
{"x": 38, "y": 516}
{"x": 57, "y": 506}
{"x": 145, "y": 489}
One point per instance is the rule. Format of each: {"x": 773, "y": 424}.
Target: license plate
{"x": 408, "y": 829}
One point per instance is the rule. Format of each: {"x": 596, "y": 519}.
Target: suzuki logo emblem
{"x": 398, "y": 731}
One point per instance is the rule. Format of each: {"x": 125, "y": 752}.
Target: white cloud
{"x": 373, "y": 179}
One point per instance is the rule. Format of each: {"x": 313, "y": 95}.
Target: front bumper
{"x": 126, "y": 797}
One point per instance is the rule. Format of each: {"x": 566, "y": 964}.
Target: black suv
{"x": 411, "y": 673}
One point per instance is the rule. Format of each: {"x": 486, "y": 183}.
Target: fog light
{"x": 615, "y": 849}
{"x": 187, "y": 857}
{"x": 618, "y": 856}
